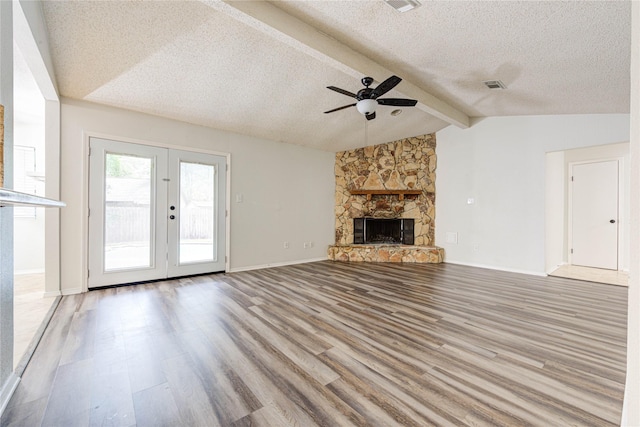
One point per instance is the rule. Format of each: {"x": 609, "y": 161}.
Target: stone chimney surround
{"x": 393, "y": 180}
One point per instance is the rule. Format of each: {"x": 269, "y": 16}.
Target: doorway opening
{"x": 32, "y": 303}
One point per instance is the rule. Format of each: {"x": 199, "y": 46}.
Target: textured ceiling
{"x": 261, "y": 68}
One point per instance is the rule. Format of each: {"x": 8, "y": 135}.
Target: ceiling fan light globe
{"x": 367, "y": 106}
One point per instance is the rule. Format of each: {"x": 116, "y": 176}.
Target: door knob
{"x": 172, "y": 217}
{"x": 612, "y": 221}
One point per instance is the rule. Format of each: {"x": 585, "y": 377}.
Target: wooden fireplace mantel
{"x": 399, "y": 193}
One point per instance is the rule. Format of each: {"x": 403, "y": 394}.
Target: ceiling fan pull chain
{"x": 366, "y": 133}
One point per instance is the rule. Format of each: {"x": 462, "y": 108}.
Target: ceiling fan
{"x": 368, "y": 98}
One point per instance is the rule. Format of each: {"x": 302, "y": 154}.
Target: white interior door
{"x": 594, "y": 214}
{"x": 154, "y": 213}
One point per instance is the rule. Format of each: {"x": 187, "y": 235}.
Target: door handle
{"x": 612, "y": 221}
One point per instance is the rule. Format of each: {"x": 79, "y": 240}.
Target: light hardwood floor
{"x": 333, "y": 344}
{"x": 30, "y": 309}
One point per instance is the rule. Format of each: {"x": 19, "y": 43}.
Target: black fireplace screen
{"x": 383, "y": 230}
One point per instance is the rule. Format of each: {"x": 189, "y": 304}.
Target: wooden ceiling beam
{"x": 288, "y": 29}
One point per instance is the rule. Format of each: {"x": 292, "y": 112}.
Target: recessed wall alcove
{"x": 393, "y": 180}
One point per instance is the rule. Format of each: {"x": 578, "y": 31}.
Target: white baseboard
{"x": 51, "y": 294}
{"x": 275, "y": 264}
{"x": 555, "y": 268}
{"x": 493, "y": 267}
{"x": 34, "y": 271}
{"x": 7, "y": 391}
{"x": 71, "y": 291}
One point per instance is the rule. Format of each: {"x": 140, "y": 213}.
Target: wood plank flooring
{"x": 30, "y": 309}
{"x": 332, "y": 344}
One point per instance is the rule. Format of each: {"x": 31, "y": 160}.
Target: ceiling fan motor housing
{"x": 367, "y": 106}
{"x": 367, "y": 81}
{"x": 364, "y": 94}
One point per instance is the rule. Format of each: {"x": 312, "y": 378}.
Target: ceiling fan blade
{"x": 371, "y": 116}
{"x": 342, "y": 91}
{"x": 340, "y": 108}
{"x": 385, "y": 86}
{"x": 398, "y": 102}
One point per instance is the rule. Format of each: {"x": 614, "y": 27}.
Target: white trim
{"x": 111, "y": 137}
{"x": 556, "y": 267}
{"x": 72, "y": 291}
{"x": 227, "y": 264}
{"x": 52, "y": 263}
{"x": 493, "y": 267}
{"x": 7, "y": 391}
{"x": 84, "y": 225}
{"x": 276, "y": 264}
{"x": 622, "y": 219}
{"x": 25, "y": 272}
{"x": 24, "y": 37}
{"x": 51, "y": 294}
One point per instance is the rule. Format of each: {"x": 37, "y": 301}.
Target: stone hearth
{"x": 386, "y": 253}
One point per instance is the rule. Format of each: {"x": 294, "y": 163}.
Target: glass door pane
{"x": 197, "y": 196}
{"x": 127, "y": 219}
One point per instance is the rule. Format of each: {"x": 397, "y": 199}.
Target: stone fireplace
{"x": 395, "y": 182}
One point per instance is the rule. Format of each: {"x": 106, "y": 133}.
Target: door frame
{"x": 84, "y": 226}
{"x": 621, "y": 214}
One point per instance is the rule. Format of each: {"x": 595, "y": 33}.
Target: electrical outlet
{"x": 310, "y": 244}
{"x": 305, "y": 245}
{"x": 286, "y": 245}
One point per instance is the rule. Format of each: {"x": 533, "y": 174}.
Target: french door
{"x": 154, "y": 213}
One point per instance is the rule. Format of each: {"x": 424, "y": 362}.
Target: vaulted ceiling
{"x": 261, "y": 68}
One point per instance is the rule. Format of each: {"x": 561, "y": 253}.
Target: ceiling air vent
{"x": 403, "y": 5}
{"x": 494, "y": 84}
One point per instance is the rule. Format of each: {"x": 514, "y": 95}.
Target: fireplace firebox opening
{"x": 368, "y": 230}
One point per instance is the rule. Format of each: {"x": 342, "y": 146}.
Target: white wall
{"x": 8, "y": 380}
{"x": 29, "y": 131}
{"x": 555, "y": 210}
{"x": 287, "y": 190}
{"x": 31, "y": 38}
{"x": 631, "y": 406}
{"x": 500, "y": 163}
